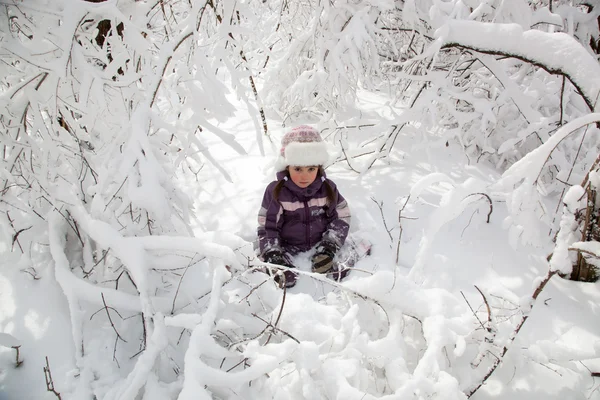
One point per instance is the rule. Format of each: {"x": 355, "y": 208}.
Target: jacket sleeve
{"x": 338, "y": 219}
{"x": 269, "y": 222}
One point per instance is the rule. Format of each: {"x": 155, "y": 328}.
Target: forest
{"x": 136, "y": 135}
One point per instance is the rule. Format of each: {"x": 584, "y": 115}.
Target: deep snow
{"x": 446, "y": 247}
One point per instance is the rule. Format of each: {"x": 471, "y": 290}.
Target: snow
{"x": 591, "y": 246}
{"x": 339, "y": 328}
{"x": 7, "y": 340}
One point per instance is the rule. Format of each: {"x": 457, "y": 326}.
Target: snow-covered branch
{"x": 557, "y": 53}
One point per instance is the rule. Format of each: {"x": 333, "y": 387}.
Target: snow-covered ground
{"x": 352, "y": 335}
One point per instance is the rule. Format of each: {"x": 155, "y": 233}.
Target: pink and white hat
{"x": 302, "y": 147}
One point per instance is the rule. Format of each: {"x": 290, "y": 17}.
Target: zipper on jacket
{"x": 307, "y": 222}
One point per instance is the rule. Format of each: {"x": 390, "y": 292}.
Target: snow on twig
{"x": 530, "y": 166}
{"x": 539, "y": 48}
{"x": 137, "y": 378}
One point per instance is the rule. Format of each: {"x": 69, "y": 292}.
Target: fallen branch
{"x": 323, "y": 279}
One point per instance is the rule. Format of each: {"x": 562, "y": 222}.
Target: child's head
{"x": 302, "y": 147}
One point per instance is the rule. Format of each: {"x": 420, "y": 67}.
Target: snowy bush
{"x": 322, "y": 54}
{"x": 488, "y": 78}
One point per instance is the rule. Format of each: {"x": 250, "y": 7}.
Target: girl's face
{"x": 303, "y": 176}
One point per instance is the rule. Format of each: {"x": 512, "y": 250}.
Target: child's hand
{"x": 277, "y": 257}
{"x": 323, "y": 259}
{"x": 285, "y": 278}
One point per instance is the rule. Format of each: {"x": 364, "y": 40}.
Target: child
{"x": 302, "y": 209}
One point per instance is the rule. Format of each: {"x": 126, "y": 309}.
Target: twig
{"x": 513, "y": 336}
{"x": 473, "y": 311}
{"x": 324, "y": 279}
{"x": 49, "y": 382}
{"x": 144, "y": 333}
{"x": 276, "y": 328}
{"x": 380, "y": 205}
{"x": 469, "y": 224}
{"x": 115, "y": 352}
{"x": 180, "y": 281}
{"x": 487, "y": 305}
{"x": 111, "y": 308}
{"x": 489, "y": 201}
{"x": 115, "y": 195}
{"x": 42, "y": 74}
{"x": 347, "y": 159}
{"x": 400, "y": 229}
{"x": 243, "y": 361}
{"x": 589, "y": 253}
{"x": 253, "y": 289}
{"x": 110, "y": 319}
{"x": 33, "y": 274}
{"x": 15, "y": 237}
{"x": 340, "y": 159}
{"x": 562, "y": 94}
{"x": 571, "y": 170}
{"x": 246, "y": 63}
{"x": 166, "y": 64}
{"x": 280, "y": 309}
{"x": 583, "y": 92}
{"x": 592, "y": 168}
{"x": 394, "y": 130}
{"x": 88, "y": 273}
{"x": 128, "y": 276}
{"x": 18, "y": 362}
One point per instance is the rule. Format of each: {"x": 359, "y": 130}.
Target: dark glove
{"x": 277, "y": 257}
{"x": 285, "y": 277}
{"x": 322, "y": 261}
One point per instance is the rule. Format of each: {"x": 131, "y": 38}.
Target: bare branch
{"x": 110, "y": 319}
{"x": 18, "y": 362}
{"x": 49, "y": 382}
{"x": 514, "y": 334}
{"x": 489, "y": 202}
{"x": 388, "y": 230}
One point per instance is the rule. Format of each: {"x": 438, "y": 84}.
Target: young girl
{"x": 302, "y": 209}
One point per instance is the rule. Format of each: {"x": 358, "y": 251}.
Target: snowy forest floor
{"x": 466, "y": 252}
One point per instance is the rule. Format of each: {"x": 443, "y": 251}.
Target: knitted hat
{"x": 302, "y": 147}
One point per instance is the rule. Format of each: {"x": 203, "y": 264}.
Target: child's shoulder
{"x": 271, "y": 186}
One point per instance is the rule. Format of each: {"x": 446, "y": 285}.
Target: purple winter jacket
{"x": 301, "y": 218}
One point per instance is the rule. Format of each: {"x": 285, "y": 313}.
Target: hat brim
{"x": 303, "y": 155}
{"x": 300, "y": 154}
